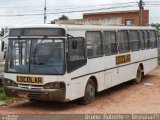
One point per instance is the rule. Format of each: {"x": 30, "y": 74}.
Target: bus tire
{"x": 89, "y": 93}
{"x": 139, "y": 75}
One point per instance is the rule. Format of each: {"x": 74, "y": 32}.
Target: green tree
{"x": 2, "y": 32}
{"x": 63, "y": 17}
{"x": 157, "y": 26}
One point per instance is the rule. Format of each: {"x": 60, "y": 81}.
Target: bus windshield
{"x": 35, "y": 56}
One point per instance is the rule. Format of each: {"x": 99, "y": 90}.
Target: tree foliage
{"x": 157, "y": 26}
{"x": 2, "y": 32}
{"x": 63, "y": 17}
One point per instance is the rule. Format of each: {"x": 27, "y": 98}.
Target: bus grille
{"x": 34, "y": 95}
{"x": 35, "y": 87}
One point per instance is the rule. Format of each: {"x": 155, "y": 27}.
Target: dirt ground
{"x": 122, "y": 99}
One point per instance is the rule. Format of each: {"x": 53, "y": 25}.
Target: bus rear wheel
{"x": 139, "y": 75}
{"x": 89, "y": 93}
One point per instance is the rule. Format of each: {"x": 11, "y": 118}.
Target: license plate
{"x": 23, "y": 94}
{"x": 30, "y": 80}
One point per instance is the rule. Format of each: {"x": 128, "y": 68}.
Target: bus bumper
{"x": 55, "y": 95}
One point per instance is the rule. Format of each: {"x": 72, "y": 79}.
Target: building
{"x": 130, "y": 18}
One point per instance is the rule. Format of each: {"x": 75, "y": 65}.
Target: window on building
{"x": 146, "y": 38}
{"x": 129, "y": 22}
{"x": 153, "y": 42}
{"x": 142, "y": 41}
{"x": 94, "y": 44}
{"x": 134, "y": 40}
{"x": 110, "y": 44}
{"x": 123, "y": 41}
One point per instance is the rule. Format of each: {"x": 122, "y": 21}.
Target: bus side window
{"x": 76, "y": 49}
{"x": 123, "y": 41}
{"x": 94, "y": 44}
{"x": 76, "y": 57}
{"x": 146, "y": 37}
{"x": 110, "y": 44}
{"x": 153, "y": 42}
{"x": 134, "y": 40}
{"x": 141, "y": 36}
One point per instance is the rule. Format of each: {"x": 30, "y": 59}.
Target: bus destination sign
{"x": 123, "y": 59}
{"x": 37, "y": 32}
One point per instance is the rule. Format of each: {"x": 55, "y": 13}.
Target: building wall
{"x": 122, "y": 14}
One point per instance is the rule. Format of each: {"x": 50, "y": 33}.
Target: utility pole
{"x": 141, "y": 7}
{"x": 45, "y": 12}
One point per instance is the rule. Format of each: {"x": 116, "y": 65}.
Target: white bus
{"x": 67, "y": 62}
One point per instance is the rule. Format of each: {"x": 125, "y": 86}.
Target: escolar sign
{"x": 123, "y": 59}
{"x": 29, "y": 80}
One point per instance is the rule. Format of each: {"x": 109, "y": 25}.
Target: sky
{"x": 55, "y": 8}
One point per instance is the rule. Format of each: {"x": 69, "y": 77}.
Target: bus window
{"x": 76, "y": 57}
{"x": 153, "y": 43}
{"x": 123, "y": 41}
{"x": 110, "y": 44}
{"x": 94, "y": 44}
{"x": 134, "y": 41}
{"x": 36, "y": 56}
{"x": 76, "y": 49}
{"x": 141, "y": 36}
{"x": 146, "y": 37}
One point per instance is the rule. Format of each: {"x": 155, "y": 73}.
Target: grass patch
{"x": 159, "y": 61}
{"x": 4, "y": 98}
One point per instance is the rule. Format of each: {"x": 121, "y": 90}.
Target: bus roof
{"x": 85, "y": 27}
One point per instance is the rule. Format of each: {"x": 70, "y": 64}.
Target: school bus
{"x": 67, "y": 62}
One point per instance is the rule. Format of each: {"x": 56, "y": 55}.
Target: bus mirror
{"x": 74, "y": 44}
{"x": 2, "y": 46}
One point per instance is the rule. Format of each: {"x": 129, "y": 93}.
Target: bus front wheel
{"x": 139, "y": 75}
{"x": 89, "y": 93}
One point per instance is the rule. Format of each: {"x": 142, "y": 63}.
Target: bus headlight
{"x": 54, "y": 85}
{"x": 11, "y": 83}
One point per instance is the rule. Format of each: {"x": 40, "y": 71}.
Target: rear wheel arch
{"x": 139, "y": 73}
{"x": 90, "y": 90}
{"x": 142, "y": 69}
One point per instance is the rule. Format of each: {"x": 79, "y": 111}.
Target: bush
{"x": 1, "y": 82}
{"x": 2, "y": 93}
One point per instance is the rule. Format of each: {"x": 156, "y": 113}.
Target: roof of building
{"x": 115, "y": 12}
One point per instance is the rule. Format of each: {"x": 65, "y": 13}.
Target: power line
{"x": 91, "y": 6}
{"x": 79, "y": 6}
{"x": 73, "y": 7}
{"x": 94, "y": 5}
{"x": 72, "y": 11}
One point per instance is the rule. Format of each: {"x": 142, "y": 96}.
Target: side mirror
{"x": 74, "y": 44}
{"x": 2, "y": 46}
